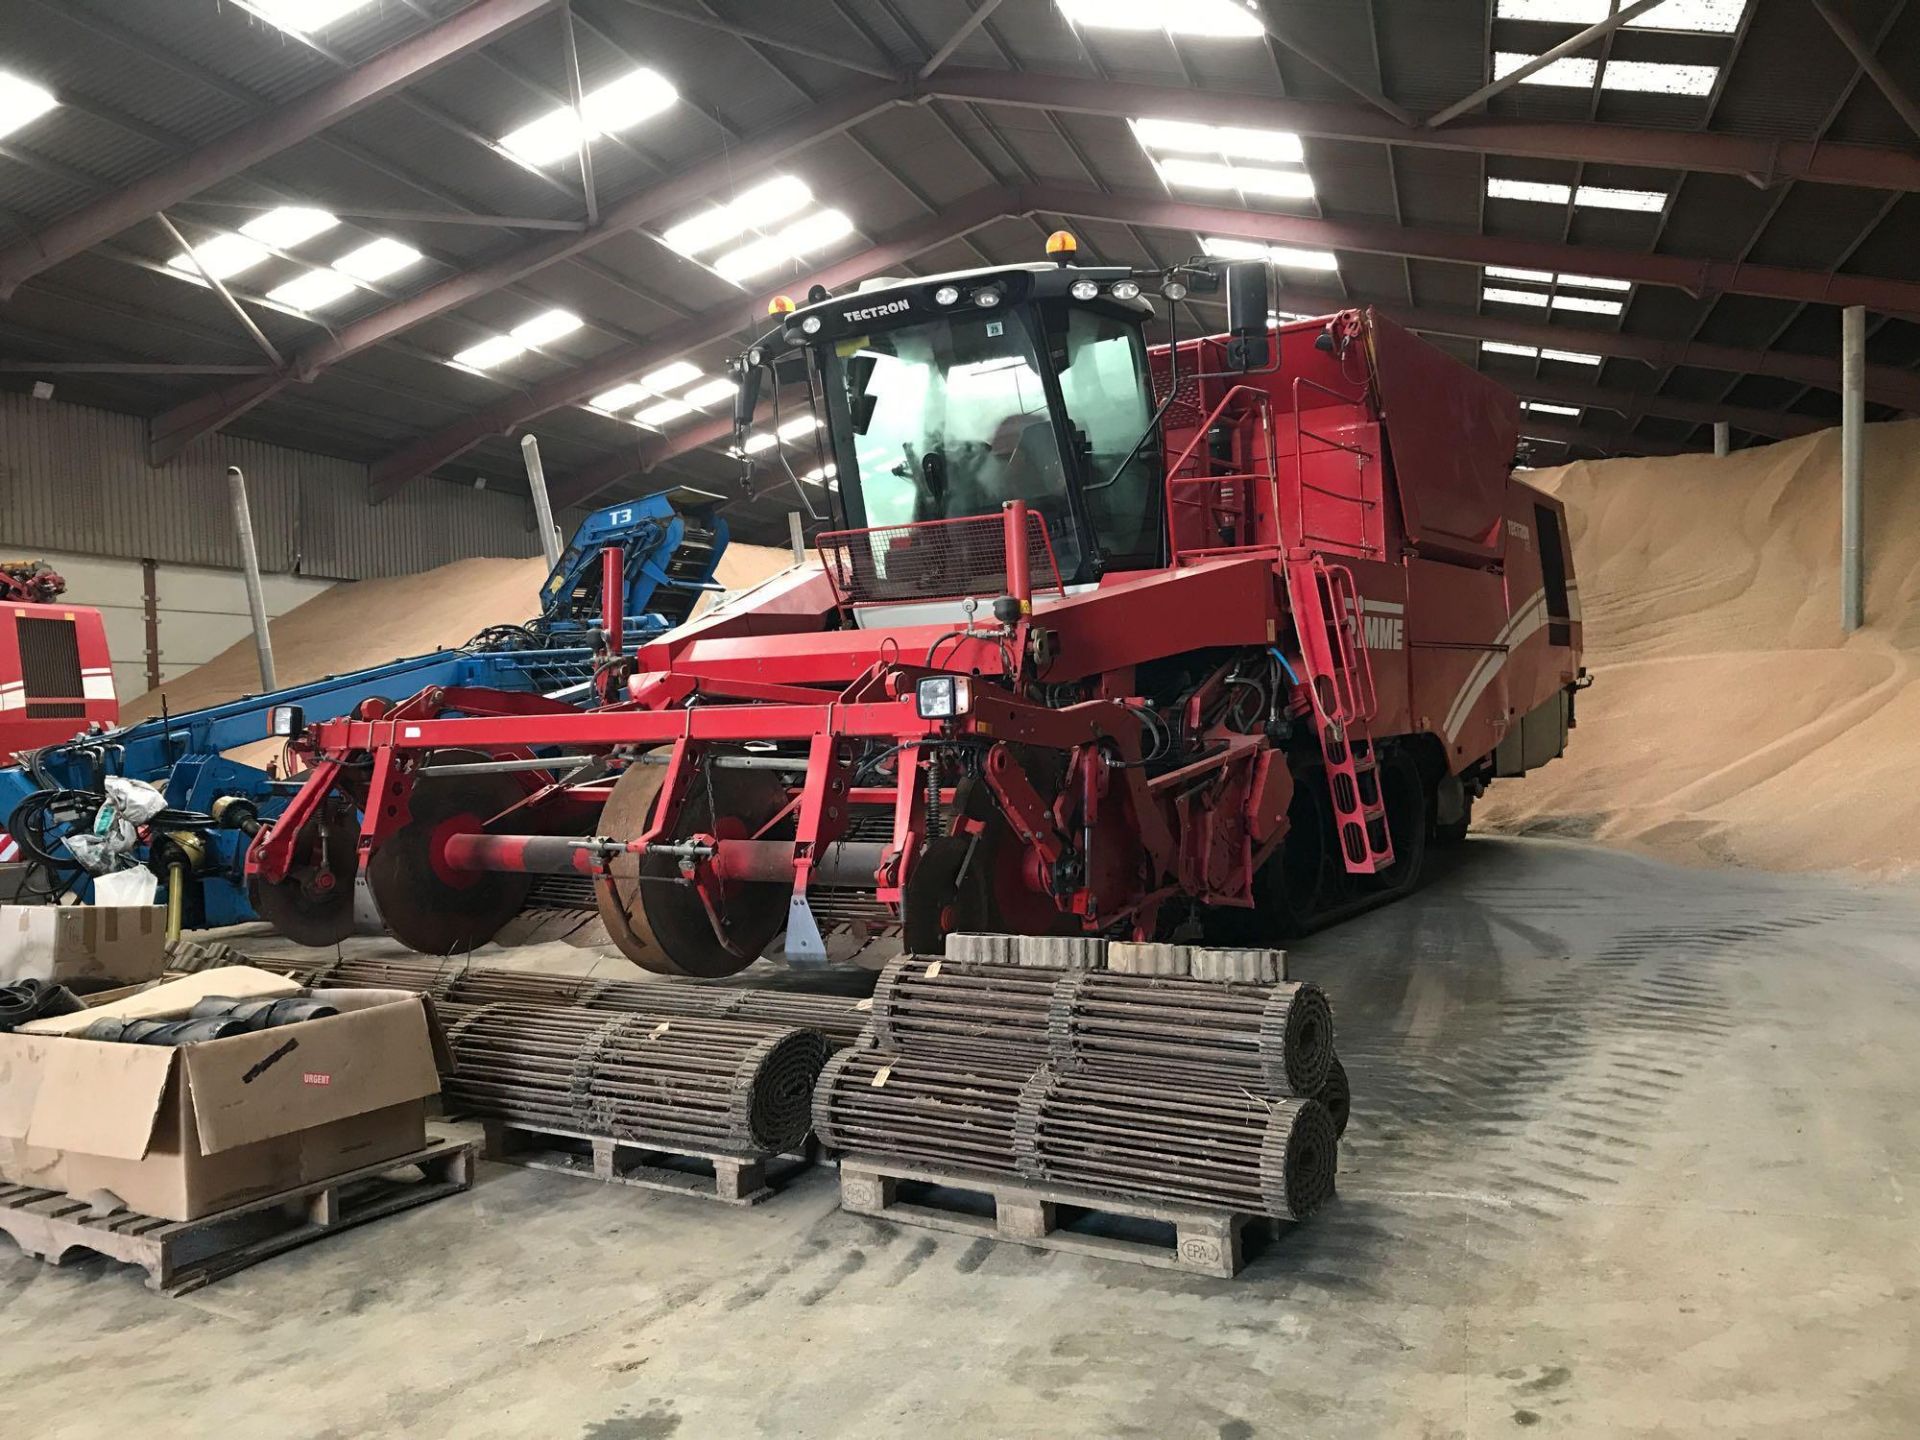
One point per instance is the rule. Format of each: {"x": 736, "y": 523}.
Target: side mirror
{"x": 746, "y": 398}
{"x": 1249, "y": 303}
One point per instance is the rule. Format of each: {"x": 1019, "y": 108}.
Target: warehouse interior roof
{"x": 1642, "y": 236}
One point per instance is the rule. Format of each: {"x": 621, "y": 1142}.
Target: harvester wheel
{"x": 423, "y": 904}
{"x": 314, "y": 904}
{"x": 657, "y": 918}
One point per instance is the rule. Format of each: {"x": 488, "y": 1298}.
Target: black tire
{"x": 1447, "y": 836}
{"x": 1408, "y": 797}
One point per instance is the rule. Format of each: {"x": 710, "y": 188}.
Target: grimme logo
{"x": 874, "y": 312}
{"x": 1383, "y": 625}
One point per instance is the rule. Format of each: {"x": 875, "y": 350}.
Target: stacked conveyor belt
{"x": 700, "y": 1085}
{"x": 1156, "y": 1089}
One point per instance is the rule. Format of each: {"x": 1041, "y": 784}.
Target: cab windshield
{"x": 949, "y": 418}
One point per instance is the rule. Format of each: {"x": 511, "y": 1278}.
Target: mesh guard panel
{"x": 933, "y": 560}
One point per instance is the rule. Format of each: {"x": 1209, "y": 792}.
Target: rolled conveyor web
{"x": 677, "y": 1082}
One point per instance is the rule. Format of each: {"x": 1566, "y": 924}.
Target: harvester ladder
{"x": 1326, "y": 609}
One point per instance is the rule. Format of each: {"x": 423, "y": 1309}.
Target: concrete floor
{"x": 1629, "y": 1156}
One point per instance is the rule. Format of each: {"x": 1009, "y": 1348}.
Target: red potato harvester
{"x": 1212, "y": 640}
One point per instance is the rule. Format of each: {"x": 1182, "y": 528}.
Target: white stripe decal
{"x": 96, "y": 670}
{"x": 1521, "y": 624}
{"x": 96, "y": 687}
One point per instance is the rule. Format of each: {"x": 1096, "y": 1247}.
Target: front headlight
{"x": 947, "y": 295}
{"x": 942, "y": 697}
{"x": 284, "y": 722}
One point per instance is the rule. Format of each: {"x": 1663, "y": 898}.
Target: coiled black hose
{"x": 34, "y": 1000}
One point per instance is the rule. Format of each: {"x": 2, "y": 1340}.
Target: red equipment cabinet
{"x": 56, "y": 679}
{"x": 1358, "y": 619}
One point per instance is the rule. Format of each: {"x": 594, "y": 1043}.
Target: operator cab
{"x": 947, "y": 397}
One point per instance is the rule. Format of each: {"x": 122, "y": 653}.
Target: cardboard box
{"x": 183, "y": 1131}
{"x": 117, "y": 944}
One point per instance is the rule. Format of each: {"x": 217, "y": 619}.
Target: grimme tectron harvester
{"x": 1210, "y": 639}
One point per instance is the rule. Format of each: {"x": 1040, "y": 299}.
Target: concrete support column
{"x": 1853, "y": 466}
{"x": 1722, "y": 438}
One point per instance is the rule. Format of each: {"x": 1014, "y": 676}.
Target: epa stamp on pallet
{"x": 1203, "y": 1241}
{"x": 183, "y": 1255}
{"x": 706, "y": 1174}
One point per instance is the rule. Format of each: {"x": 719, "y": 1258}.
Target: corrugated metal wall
{"x": 77, "y": 479}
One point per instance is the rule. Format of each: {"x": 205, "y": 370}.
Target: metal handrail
{"x": 1301, "y": 485}
{"x": 1263, "y": 403}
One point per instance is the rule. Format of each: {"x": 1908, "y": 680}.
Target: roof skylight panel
{"x": 494, "y": 351}
{"x": 1203, "y": 19}
{"x": 1713, "y": 17}
{"x": 1229, "y": 142}
{"x": 1245, "y": 179}
{"x": 608, "y": 110}
{"x": 377, "y": 260}
{"x": 621, "y": 397}
{"x": 530, "y": 334}
{"x": 670, "y": 377}
{"x": 713, "y": 392}
{"x": 1549, "y": 277}
{"x": 22, "y": 102}
{"x": 304, "y": 17}
{"x": 1533, "y": 352}
{"x": 1538, "y": 191}
{"x": 546, "y": 327}
{"x": 1599, "y": 197}
{"x": 1654, "y": 77}
{"x": 313, "y": 291}
{"x": 1289, "y": 256}
{"x": 1587, "y": 304}
{"x": 1595, "y": 196}
{"x": 1657, "y": 77}
{"x": 289, "y": 225}
{"x": 1572, "y": 71}
{"x": 663, "y": 413}
{"x": 756, "y": 208}
{"x": 1540, "y": 300}
{"x": 816, "y": 232}
{"x": 222, "y": 257}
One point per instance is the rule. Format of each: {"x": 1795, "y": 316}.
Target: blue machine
{"x": 671, "y": 544}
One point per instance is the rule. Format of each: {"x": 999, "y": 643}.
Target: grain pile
{"x": 369, "y": 622}
{"x": 1730, "y": 722}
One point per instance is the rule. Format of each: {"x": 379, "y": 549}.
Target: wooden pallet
{"x": 183, "y": 1255}
{"x": 1204, "y": 1242}
{"x": 709, "y": 1175}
